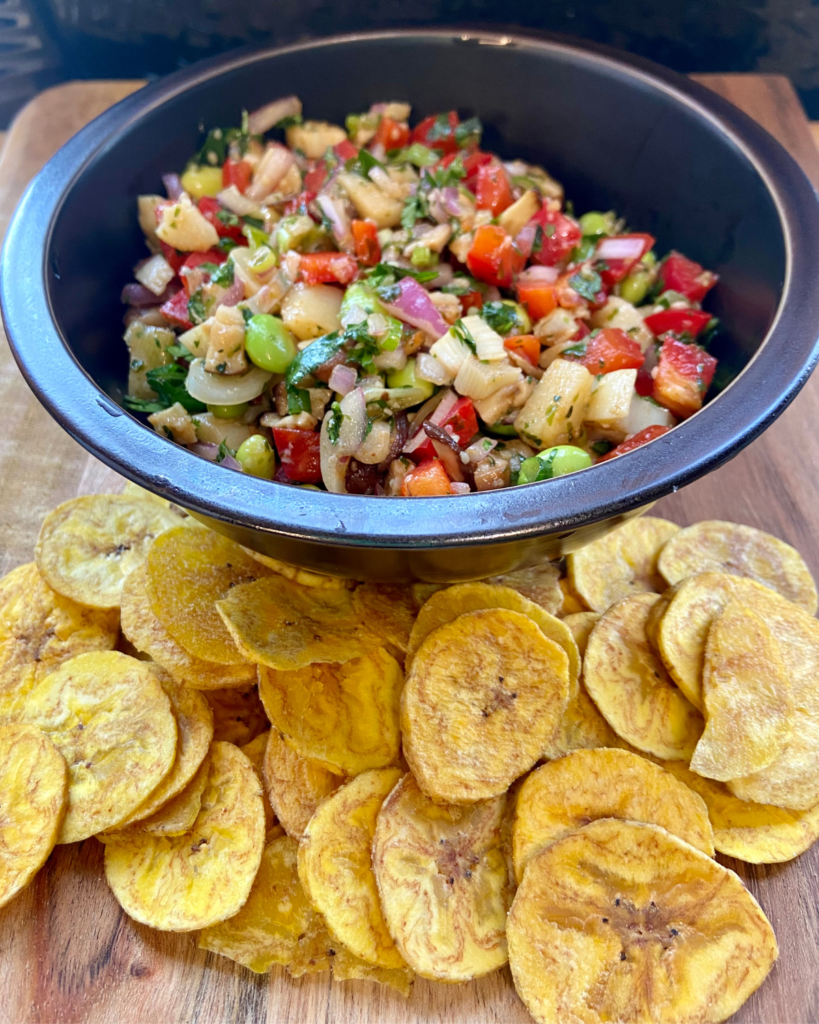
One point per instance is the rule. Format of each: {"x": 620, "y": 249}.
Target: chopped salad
{"x": 380, "y": 309}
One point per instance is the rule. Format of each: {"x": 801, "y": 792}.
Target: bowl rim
{"x": 702, "y": 443}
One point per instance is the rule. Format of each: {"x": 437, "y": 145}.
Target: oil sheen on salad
{"x": 383, "y": 309}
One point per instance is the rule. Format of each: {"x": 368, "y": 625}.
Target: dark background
{"x": 43, "y": 42}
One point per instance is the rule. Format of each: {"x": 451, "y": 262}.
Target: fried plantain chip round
{"x": 621, "y": 563}
{"x": 188, "y": 572}
{"x": 749, "y": 710}
{"x": 254, "y": 752}
{"x": 483, "y": 697}
{"x": 716, "y": 546}
{"x": 586, "y": 785}
{"x": 33, "y": 794}
{"x": 631, "y": 688}
{"x": 178, "y": 815}
{"x": 111, "y": 720}
{"x": 336, "y": 868}
{"x": 540, "y": 583}
{"x": 89, "y": 545}
{"x": 190, "y": 881}
{"x": 444, "y": 882}
{"x": 348, "y": 967}
{"x": 581, "y": 624}
{"x": 147, "y": 634}
{"x": 572, "y": 603}
{"x": 755, "y": 833}
{"x": 623, "y": 921}
{"x": 295, "y": 785}
{"x": 238, "y": 714}
{"x": 304, "y": 577}
{"x": 40, "y": 629}
{"x": 389, "y": 611}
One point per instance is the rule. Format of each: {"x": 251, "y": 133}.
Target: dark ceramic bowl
{"x": 667, "y": 154}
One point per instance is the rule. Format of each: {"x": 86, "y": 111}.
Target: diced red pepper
{"x": 613, "y": 268}
{"x": 643, "y": 437}
{"x": 684, "y": 375}
{"x": 493, "y": 189}
{"x": 493, "y": 257}
{"x": 194, "y": 260}
{"x": 391, "y": 134}
{"x": 583, "y": 331}
{"x": 442, "y": 139}
{"x": 299, "y": 454}
{"x": 609, "y": 350}
{"x": 539, "y": 299}
{"x": 524, "y": 345}
{"x": 210, "y": 208}
{"x": 559, "y": 234}
{"x": 176, "y": 310}
{"x": 683, "y": 275}
{"x": 472, "y": 165}
{"x": 345, "y": 150}
{"x": 461, "y": 421}
{"x": 427, "y": 480}
{"x": 365, "y": 240}
{"x": 238, "y": 173}
{"x": 175, "y": 258}
{"x": 315, "y": 178}
{"x": 470, "y": 300}
{"x": 327, "y": 268}
{"x": 678, "y": 321}
{"x": 299, "y": 203}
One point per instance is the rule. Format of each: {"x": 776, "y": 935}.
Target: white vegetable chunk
{"x": 226, "y": 351}
{"x": 555, "y": 410}
{"x": 185, "y": 228}
{"x": 314, "y": 138}
{"x": 155, "y": 274}
{"x": 480, "y": 380}
{"x": 174, "y": 423}
{"x": 619, "y": 313}
{"x": 370, "y": 201}
{"x": 609, "y": 405}
{"x": 147, "y": 350}
{"x": 312, "y": 310}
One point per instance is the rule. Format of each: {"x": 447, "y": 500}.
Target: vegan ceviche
{"x": 379, "y": 309}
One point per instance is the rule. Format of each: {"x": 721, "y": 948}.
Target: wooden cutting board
{"x": 67, "y": 952}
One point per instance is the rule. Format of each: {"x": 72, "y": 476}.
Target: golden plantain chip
{"x": 749, "y": 710}
{"x": 238, "y": 715}
{"x": 89, "y": 545}
{"x": 389, "y": 611}
{"x": 561, "y": 797}
{"x": 482, "y": 698}
{"x": 40, "y": 629}
{"x": 444, "y": 882}
{"x": 178, "y": 815}
{"x": 188, "y": 572}
{"x": 254, "y": 752}
{"x": 716, "y": 546}
{"x": 33, "y": 793}
{"x": 631, "y": 688}
{"x": 581, "y": 624}
{"x": 621, "y": 563}
{"x": 286, "y": 626}
{"x": 572, "y": 603}
{"x": 540, "y": 583}
{"x": 111, "y": 720}
{"x": 348, "y": 967}
{"x": 147, "y": 634}
{"x": 190, "y": 881}
{"x": 132, "y": 490}
{"x": 343, "y": 716}
{"x": 448, "y": 604}
{"x": 625, "y": 922}
{"x": 755, "y": 833}
{"x": 336, "y": 867}
{"x": 302, "y": 576}
{"x": 422, "y": 592}
{"x": 295, "y": 785}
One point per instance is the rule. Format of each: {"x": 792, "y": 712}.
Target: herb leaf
{"x": 198, "y": 307}
{"x": 224, "y": 451}
{"x": 462, "y": 333}
{"x": 469, "y": 132}
{"x": 169, "y": 384}
{"x": 586, "y": 283}
{"x": 334, "y": 420}
{"x": 502, "y": 317}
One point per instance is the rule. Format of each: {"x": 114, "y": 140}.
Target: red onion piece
{"x": 620, "y": 248}
{"x": 233, "y": 295}
{"x": 266, "y": 117}
{"x": 539, "y": 275}
{"x": 206, "y": 449}
{"x": 342, "y": 379}
{"x": 173, "y": 185}
{"x": 230, "y": 463}
{"x": 492, "y": 294}
{"x": 136, "y": 294}
{"x": 457, "y": 487}
{"x": 445, "y": 275}
{"x": 340, "y": 222}
{"x": 452, "y": 203}
{"x": 414, "y": 306}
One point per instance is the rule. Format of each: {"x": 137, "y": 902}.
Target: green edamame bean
{"x": 229, "y": 412}
{"x": 551, "y": 462}
{"x": 635, "y": 286}
{"x": 257, "y": 457}
{"x": 594, "y": 223}
{"x": 269, "y": 344}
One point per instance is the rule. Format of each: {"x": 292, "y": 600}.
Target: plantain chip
{"x": 343, "y": 716}
{"x": 540, "y": 583}
{"x": 33, "y": 794}
{"x": 482, "y": 698}
{"x": 631, "y": 688}
{"x": 148, "y": 635}
{"x": 304, "y": 577}
{"x": 572, "y": 603}
{"x": 188, "y": 572}
{"x": 238, "y": 714}
{"x": 336, "y": 869}
{"x": 448, "y": 604}
{"x": 389, "y": 611}
{"x": 422, "y": 592}
{"x": 749, "y": 710}
{"x": 444, "y": 882}
{"x": 623, "y": 921}
{"x": 561, "y": 797}
{"x": 186, "y": 882}
{"x": 254, "y": 752}
{"x": 40, "y": 629}
{"x": 348, "y": 967}
{"x": 132, "y": 490}
{"x": 295, "y": 785}
{"x": 178, "y": 815}
{"x": 581, "y": 624}
{"x": 88, "y": 546}
{"x": 755, "y": 833}
{"x": 286, "y": 626}
{"x": 716, "y": 546}
{"x": 111, "y": 720}
{"x": 621, "y": 563}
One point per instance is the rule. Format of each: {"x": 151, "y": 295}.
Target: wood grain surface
{"x": 68, "y": 954}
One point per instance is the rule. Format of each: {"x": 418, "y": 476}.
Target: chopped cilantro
{"x": 247, "y": 314}
{"x": 462, "y": 333}
{"x": 214, "y": 150}
{"x": 226, "y": 244}
{"x": 579, "y": 349}
{"x": 223, "y": 275}
{"x": 178, "y": 351}
{"x": 198, "y": 307}
{"x": 169, "y": 384}
{"x": 502, "y": 317}
{"x": 334, "y": 420}
{"x": 469, "y": 132}
{"x": 537, "y": 241}
{"x": 289, "y": 121}
{"x": 586, "y": 283}
{"x": 415, "y": 208}
{"x": 385, "y": 274}
{"x": 253, "y": 222}
{"x": 363, "y": 163}
{"x": 224, "y": 451}
{"x": 227, "y": 217}
{"x": 441, "y": 129}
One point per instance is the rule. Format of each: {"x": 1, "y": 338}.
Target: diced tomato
{"x": 583, "y": 331}
{"x": 238, "y": 173}
{"x": 643, "y": 437}
{"x": 609, "y": 350}
{"x": 299, "y": 203}
{"x": 427, "y": 480}
{"x": 559, "y": 234}
{"x": 493, "y": 189}
{"x": 524, "y": 345}
{"x": 473, "y": 164}
{"x": 316, "y": 177}
{"x": 539, "y": 299}
{"x": 612, "y": 266}
{"x": 461, "y": 421}
{"x": 176, "y": 310}
{"x": 194, "y": 260}
{"x": 392, "y": 134}
{"x": 678, "y": 321}
{"x": 299, "y": 454}
{"x": 210, "y": 208}
{"x": 365, "y": 239}
{"x": 327, "y": 268}
{"x": 493, "y": 257}
{"x": 683, "y": 275}
{"x": 684, "y": 374}
{"x": 470, "y": 300}
{"x": 443, "y": 138}
{"x": 345, "y": 150}
{"x": 176, "y": 259}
